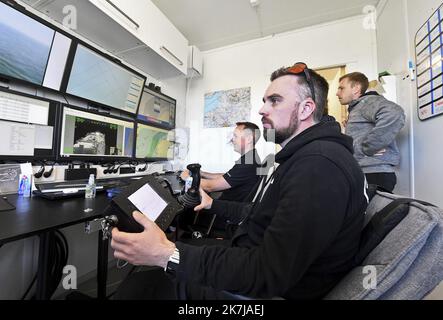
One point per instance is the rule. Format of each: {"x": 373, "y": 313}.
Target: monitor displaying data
{"x": 157, "y": 109}
{"x": 153, "y": 143}
{"x": 26, "y": 126}
{"x": 98, "y": 79}
{"x": 31, "y": 51}
{"x": 86, "y": 134}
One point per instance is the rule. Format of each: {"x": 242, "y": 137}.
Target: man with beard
{"x": 301, "y": 234}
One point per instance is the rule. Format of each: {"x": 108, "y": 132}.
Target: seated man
{"x": 238, "y": 182}
{"x": 301, "y": 233}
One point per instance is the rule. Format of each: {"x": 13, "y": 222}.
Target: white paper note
{"x": 148, "y": 202}
{"x": 43, "y": 137}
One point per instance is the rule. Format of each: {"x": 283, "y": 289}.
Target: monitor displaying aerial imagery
{"x": 31, "y": 51}
{"x": 98, "y": 79}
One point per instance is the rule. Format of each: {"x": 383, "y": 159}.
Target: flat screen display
{"x": 156, "y": 109}
{"x": 95, "y": 78}
{"x": 31, "y": 51}
{"x": 85, "y": 134}
{"x": 27, "y": 126}
{"x": 153, "y": 143}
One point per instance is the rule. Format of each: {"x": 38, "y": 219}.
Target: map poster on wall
{"x": 429, "y": 53}
{"x": 226, "y": 108}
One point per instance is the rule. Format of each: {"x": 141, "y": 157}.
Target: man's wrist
{"x": 204, "y": 175}
{"x": 168, "y": 253}
{"x": 173, "y": 262}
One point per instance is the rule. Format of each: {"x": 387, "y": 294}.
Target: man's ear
{"x": 307, "y": 109}
{"x": 249, "y": 137}
{"x": 356, "y": 89}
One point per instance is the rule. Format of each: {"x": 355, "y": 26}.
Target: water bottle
{"x": 21, "y": 186}
{"x": 90, "y": 188}
{"x": 27, "y": 187}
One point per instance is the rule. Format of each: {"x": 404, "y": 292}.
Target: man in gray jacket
{"x": 373, "y": 123}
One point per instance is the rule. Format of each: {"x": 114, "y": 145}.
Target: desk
{"x": 37, "y": 216}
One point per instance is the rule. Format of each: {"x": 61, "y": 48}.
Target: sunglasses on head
{"x": 302, "y": 68}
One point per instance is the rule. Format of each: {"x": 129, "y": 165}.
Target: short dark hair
{"x": 321, "y": 88}
{"x": 255, "y": 130}
{"x": 357, "y": 78}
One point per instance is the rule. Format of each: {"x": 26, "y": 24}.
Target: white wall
{"x": 392, "y": 56}
{"x": 250, "y": 64}
{"x": 428, "y": 153}
{"x": 397, "y": 27}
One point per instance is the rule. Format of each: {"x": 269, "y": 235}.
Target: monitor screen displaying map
{"x": 152, "y": 143}
{"x": 156, "y": 109}
{"x": 95, "y": 78}
{"x": 87, "y": 134}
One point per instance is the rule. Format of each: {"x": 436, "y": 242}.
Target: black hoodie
{"x": 301, "y": 238}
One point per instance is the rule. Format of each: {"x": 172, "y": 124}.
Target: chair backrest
{"x": 407, "y": 263}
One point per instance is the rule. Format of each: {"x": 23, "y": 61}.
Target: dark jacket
{"x": 301, "y": 238}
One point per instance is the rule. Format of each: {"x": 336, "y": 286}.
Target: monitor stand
{"x": 5, "y": 205}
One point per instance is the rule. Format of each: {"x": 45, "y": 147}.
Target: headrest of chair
{"x": 372, "y": 190}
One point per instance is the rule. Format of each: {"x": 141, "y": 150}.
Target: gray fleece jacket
{"x": 374, "y": 123}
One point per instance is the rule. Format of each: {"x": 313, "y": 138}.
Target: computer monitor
{"x": 27, "y": 127}
{"x": 100, "y": 80}
{"x": 157, "y": 109}
{"x": 94, "y": 136}
{"x": 30, "y": 51}
{"x": 153, "y": 143}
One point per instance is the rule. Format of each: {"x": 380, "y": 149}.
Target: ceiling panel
{"x": 209, "y": 24}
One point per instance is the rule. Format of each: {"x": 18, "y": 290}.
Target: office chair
{"x": 407, "y": 261}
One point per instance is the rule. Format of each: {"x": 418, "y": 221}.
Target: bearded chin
{"x": 280, "y": 136}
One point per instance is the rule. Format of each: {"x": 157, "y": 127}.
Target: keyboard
{"x": 71, "y": 189}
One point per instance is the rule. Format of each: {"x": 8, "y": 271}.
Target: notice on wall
{"x": 429, "y": 55}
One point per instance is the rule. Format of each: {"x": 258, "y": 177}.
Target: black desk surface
{"x": 35, "y": 215}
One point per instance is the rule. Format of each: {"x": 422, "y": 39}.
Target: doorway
{"x": 335, "y": 109}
